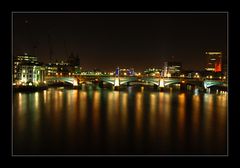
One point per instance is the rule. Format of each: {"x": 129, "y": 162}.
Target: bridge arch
{"x": 70, "y": 80}
{"x": 210, "y": 83}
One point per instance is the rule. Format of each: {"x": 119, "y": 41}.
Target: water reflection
{"x": 181, "y": 120}
{"x": 119, "y": 122}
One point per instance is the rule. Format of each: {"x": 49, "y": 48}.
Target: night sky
{"x": 105, "y": 41}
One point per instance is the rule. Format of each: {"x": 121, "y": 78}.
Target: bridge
{"x": 69, "y": 79}
{"x": 117, "y": 80}
{"x": 209, "y": 83}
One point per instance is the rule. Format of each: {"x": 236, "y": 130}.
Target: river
{"x": 134, "y": 121}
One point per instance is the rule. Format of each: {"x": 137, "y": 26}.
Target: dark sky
{"x": 127, "y": 40}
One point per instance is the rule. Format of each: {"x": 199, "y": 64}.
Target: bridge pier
{"x": 116, "y": 88}
{"x": 183, "y": 87}
{"x": 101, "y": 84}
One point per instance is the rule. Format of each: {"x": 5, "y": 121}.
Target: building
{"x": 125, "y": 71}
{"x": 214, "y": 61}
{"x": 62, "y": 68}
{"x": 153, "y": 71}
{"x": 172, "y": 68}
{"x": 27, "y": 70}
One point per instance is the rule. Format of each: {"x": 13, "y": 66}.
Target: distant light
{"x": 30, "y": 84}
{"x": 44, "y": 82}
{"x": 211, "y": 77}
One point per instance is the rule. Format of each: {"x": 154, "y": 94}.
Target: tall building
{"x": 214, "y": 61}
{"x": 172, "y": 68}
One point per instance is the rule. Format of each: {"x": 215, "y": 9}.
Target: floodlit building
{"x": 172, "y": 68}
{"x": 214, "y": 61}
{"x": 27, "y": 70}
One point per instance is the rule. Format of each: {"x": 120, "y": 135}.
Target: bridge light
{"x": 224, "y": 77}
{"x": 75, "y": 83}
{"x": 183, "y": 81}
{"x": 61, "y": 73}
{"x": 44, "y": 82}
{"x": 125, "y": 73}
{"x": 220, "y": 77}
{"x": 161, "y": 83}
{"x": 56, "y": 73}
{"x": 69, "y": 73}
{"x": 211, "y": 77}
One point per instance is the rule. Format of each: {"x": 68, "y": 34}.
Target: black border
{"x": 173, "y": 6}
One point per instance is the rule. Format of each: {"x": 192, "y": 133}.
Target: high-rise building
{"x": 214, "y": 61}
{"x": 172, "y": 68}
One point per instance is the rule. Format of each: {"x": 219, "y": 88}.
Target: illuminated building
{"x": 125, "y": 71}
{"x": 27, "y": 70}
{"x": 153, "y": 71}
{"x": 214, "y": 61}
{"x": 172, "y": 68}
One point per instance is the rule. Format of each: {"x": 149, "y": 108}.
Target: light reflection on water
{"x": 119, "y": 122}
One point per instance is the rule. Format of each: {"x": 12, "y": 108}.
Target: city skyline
{"x": 106, "y": 41}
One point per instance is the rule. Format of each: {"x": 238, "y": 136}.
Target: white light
{"x": 75, "y": 83}
{"x": 161, "y": 83}
{"x": 30, "y": 84}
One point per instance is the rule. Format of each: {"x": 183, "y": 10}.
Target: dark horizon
{"x": 105, "y": 41}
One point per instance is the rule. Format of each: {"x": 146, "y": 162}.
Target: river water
{"x": 134, "y": 121}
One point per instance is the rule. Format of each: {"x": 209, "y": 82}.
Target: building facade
{"x": 172, "y": 68}
{"x": 27, "y": 70}
{"x": 214, "y": 61}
